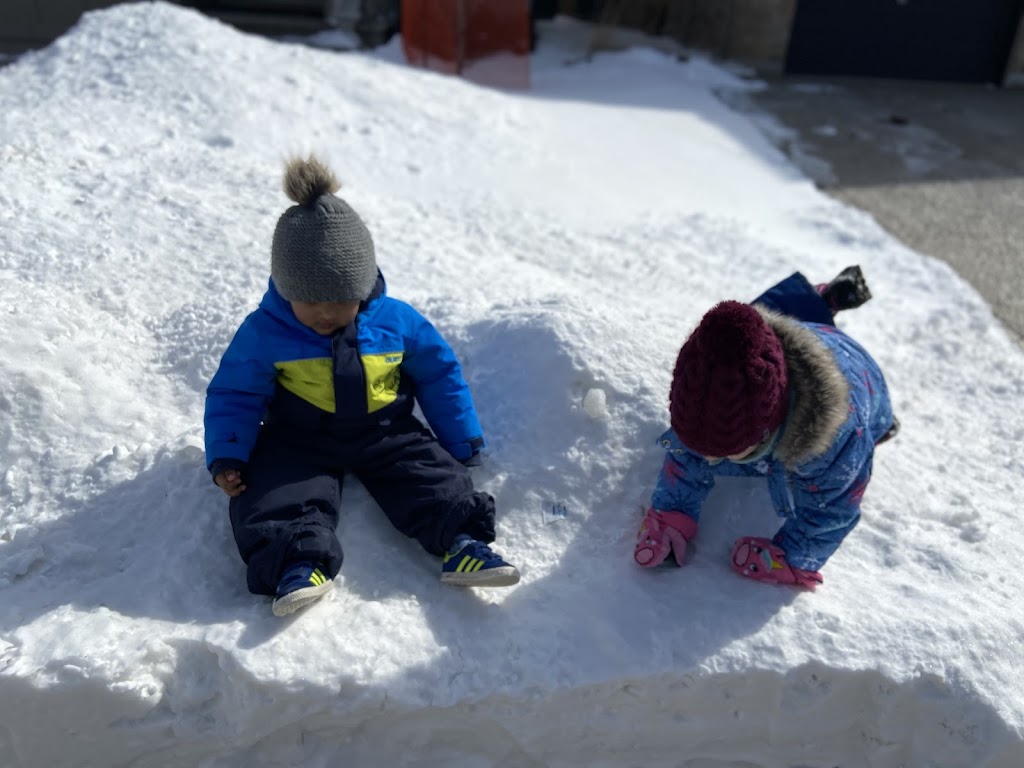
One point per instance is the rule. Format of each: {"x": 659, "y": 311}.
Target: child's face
{"x": 742, "y": 454}
{"x": 325, "y": 317}
{"x": 735, "y": 456}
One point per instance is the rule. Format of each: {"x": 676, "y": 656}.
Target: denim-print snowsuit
{"x": 819, "y": 494}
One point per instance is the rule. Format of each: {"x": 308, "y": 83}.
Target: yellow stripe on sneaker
{"x": 478, "y": 565}
{"x": 317, "y": 578}
{"x": 466, "y": 564}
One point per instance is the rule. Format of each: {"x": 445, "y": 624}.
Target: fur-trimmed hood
{"x": 819, "y": 392}
{"x": 820, "y": 465}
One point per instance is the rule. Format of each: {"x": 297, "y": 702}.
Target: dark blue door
{"x": 965, "y": 40}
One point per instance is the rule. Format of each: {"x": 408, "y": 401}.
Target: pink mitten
{"x": 661, "y": 533}
{"x": 758, "y": 558}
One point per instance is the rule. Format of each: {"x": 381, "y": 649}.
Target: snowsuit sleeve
{"x": 441, "y": 390}
{"x": 827, "y": 494}
{"x": 685, "y": 480}
{"x": 237, "y": 397}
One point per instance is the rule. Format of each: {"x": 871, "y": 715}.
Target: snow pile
{"x": 565, "y": 241}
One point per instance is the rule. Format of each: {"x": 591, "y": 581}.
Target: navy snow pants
{"x": 289, "y": 510}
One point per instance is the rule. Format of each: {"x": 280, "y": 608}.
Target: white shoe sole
{"x": 505, "y": 576}
{"x": 300, "y": 598}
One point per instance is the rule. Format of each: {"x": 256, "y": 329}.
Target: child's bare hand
{"x": 230, "y": 482}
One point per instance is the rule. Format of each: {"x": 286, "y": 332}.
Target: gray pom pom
{"x": 306, "y": 180}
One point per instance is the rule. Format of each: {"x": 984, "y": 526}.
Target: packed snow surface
{"x": 565, "y": 240}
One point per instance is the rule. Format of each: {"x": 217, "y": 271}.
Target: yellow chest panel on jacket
{"x": 313, "y": 380}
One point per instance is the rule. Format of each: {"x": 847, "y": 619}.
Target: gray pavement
{"x": 938, "y": 165}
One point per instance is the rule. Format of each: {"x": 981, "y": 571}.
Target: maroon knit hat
{"x": 729, "y": 387}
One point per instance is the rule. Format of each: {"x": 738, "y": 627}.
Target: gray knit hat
{"x": 322, "y": 251}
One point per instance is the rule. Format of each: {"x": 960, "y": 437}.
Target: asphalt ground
{"x": 939, "y": 165}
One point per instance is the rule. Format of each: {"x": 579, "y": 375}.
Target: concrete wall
{"x": 749, "y": 31}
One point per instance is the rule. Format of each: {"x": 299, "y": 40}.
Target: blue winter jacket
{"x": 277, "y": 371}
{"x": 820, "y": 464}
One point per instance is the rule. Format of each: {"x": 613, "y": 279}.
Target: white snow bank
{"x": 564, "y": 240}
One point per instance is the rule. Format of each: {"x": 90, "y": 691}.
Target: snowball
{"x": 595, "y": 404}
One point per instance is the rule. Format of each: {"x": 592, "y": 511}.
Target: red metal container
{"x": 486, "y": 41}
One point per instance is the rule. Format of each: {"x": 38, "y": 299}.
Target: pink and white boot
{"x": 663, "y": 532}
{"x": 758, "y": 558}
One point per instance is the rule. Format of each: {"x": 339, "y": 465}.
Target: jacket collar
{"x": 819, "y": 392}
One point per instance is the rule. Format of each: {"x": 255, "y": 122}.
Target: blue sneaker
{"x": 301, "y": 584}
{"x": 471, "y": 563}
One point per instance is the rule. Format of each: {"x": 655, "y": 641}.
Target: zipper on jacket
{"x": 349, "y": 376}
